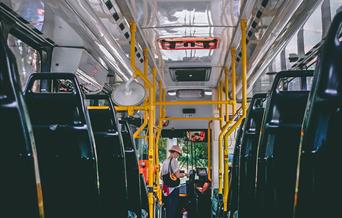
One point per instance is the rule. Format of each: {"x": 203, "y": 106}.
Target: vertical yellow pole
{"x": 244, "y": 66}
{"x": 133, "y": 30}
{"x": 160, "y": 126}
{"x": 226, "y": 167}
{"x": 220, "y": 148}
{"x": 151, "y": 141}
{"x": 226, "y": 136}
{"x": 219, "y": 95}
{"x": 233, "y": 52}
{"x": 209, "y": 150}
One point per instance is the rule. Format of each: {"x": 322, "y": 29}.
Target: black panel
{"x": 190, "y": 74}
{"x": 189, "y": 110}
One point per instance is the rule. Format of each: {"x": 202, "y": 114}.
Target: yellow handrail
{"x": 209, "y": 150}
{"x": 233, "y": 79}
{"x": 143, "y": 126}
{"x": 160, "y": 126}
{"x": 225, "y": 150}
{"x": 243, "y": 25}
{"x": 191, "y": 118}
{"x": 151, "y": 142}
{"x": 175, "y": 103}
{"x": 137, "y": 72}
{"x": 220, "y": 149}
{"x": 98, "y": 107}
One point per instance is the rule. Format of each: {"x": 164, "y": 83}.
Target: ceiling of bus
{"x": 178, "y": 18}
{"x": 89, "y": 24}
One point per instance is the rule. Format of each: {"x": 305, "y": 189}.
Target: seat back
{"x": 133, "y": 175}
{"x": 65, "y": 146}
{"x": 247, "y": 159}
{"x": 233, "y": 190}
{"x": 111, "y": 156}
{"x": 278, "y": 147}
{"x": 318, "y": 189}
{"x": 20, "y": 184}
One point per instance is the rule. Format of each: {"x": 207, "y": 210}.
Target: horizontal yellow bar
{"x": 190, "y": 118}
{"x": 140, "y": 137}
{"x": 98, "y": 107}
{"x": 193, "y": 102}
{"x": 126, "y": 108}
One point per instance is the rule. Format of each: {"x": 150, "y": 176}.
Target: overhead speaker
{"x": 130, "y": 93}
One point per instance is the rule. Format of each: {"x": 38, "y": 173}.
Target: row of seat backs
{"x": 17, "y": 146}
{"x": 111, "y": 155}
{"x": 65, "y": 145}
{"x": 319, "y": 176}
{"x": 278, "y": 147}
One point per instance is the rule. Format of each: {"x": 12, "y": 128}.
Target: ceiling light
{"x": 208, "y": 92}
{"x": 172, "y": 93}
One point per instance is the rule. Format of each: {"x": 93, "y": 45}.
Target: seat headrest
{"x": 48, "y": 109}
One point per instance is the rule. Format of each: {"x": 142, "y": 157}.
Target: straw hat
{"x": 176, "y": 148}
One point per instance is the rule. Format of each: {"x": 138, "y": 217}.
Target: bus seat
{"x": 248, "y": 153}
{"x": 320, "y": 164}
{"x": 65, "y": 147}
{"x": 111, "y": 159}
{"x": 278, "y": 149}
{"x": 133, "y": 176}
{"x": 19, "y": 184}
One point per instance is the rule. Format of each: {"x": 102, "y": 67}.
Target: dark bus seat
{"x": 143, "y": 194}
{"x": 234, "y": 172}
{"x": 65, "y": 148}
{"x": 133, "y": 175}
{"x": 320, "y": 165}
{"x": 248, "y": 153}
{"x": 278, "y": 148}
{"x": 111, "y": 157}
{"x": 203, "y": 197}
{"x": 20, "y": 181}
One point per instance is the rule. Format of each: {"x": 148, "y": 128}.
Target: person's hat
{"x": 176, "y": 148}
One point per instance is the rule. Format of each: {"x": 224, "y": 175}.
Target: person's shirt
{"x": 165, "y": 170}
{"x": 166, "y": 164}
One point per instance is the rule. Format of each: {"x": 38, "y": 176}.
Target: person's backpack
{"x": 170, "y": 179}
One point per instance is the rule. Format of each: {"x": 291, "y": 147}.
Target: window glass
{"x": 31, "y": 10}
{"x": 295, "y": 84}
{"x": 28, "y": 59}
{"x": 313, "y": 29}
{"x": 335, "y": 6}
{"x": 53, "y": 86}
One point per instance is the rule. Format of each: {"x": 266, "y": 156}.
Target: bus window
{"x": 28, "y": 59}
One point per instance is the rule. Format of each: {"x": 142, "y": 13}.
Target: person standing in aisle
{"x": 170, "y": 174}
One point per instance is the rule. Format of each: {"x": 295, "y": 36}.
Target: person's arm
{"x": 179, "y": 174}
{"x": 175, "y": 167}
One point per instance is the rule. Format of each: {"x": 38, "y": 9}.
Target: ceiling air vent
{"x": 190, "y": 74}
{"x": 190, "y": 93}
